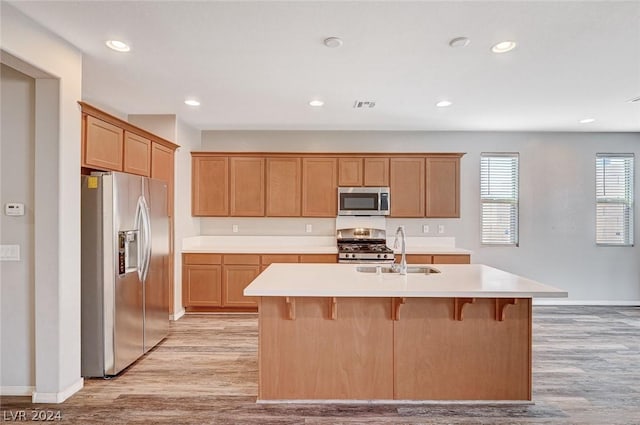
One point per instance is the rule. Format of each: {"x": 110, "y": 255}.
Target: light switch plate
{"x": 234, "y": 228}
{"x": 308, "y": 228}
{"x": 425, "y": 228}
{"x": 440, "y": 228}
{"x": 9, "y": 252}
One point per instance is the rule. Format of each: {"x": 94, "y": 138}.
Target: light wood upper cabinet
{"x": 210, "y": 186}
{"x": 162, "y": 169}
{"x": 319, "y": 187}
{"x": 137, "y": 154}
{"x": 246, "y": 187}
{"x": 284, "y": 187}
{"x": 359, "y": 171}
{"x": 443, "y": 187}
{"x": 407, "y": 186}
{"x": 103, "y": 145}
{"x": 376, "y": 172}
{"x": 350, "y": 171}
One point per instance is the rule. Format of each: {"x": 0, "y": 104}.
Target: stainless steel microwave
{"x": 363, "y": 201}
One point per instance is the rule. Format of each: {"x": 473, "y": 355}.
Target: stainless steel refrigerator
{"x": 125, "y": 254}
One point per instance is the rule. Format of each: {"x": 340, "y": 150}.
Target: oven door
{"x": 362, "y": 201}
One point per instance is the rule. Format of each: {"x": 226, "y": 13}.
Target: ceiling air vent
{"x": 634, "y": 100}
{"x": 361, "y": 104}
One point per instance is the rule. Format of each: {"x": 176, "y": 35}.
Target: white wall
{"x": 189, "y": 140}
{"x": 17, "y": 145}
{"x": 168, "y": 127}
{"x": 557, "y": 195}
{"x": 56, "y": 200}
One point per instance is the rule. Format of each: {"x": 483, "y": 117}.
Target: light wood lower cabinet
{"x": 201, "y": 285}
{"x": 235, "y": 279}
{"x": 215, "y": 282}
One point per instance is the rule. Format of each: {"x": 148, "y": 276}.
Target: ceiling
{"x": 256, "y": 64}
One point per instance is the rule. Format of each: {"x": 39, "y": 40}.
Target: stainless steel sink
{"x": 389, "y": 269}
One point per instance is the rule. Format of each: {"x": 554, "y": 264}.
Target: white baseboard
{"x": 177, "y": 315}
{"x": 540, "y": 301}
{"x": 59, "y": 397}
{"x": 16, "y": 390}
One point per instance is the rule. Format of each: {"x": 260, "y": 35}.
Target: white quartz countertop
{"x": 343, "y": 280}
{"x": 305, "y": 245}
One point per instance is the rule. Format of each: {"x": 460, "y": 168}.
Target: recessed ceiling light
{"x": 444, "y": 104}
{"x": 587, "y": 120}
{"x": 333, "y": 42}
{"x": 459, "y": 42}
{"x": 316, "y": 102}
{"x": 118, "y": 46}
{"x": 192, "y": 102}
{"x": 503, "y": 46}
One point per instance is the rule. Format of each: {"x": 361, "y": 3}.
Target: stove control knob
{"x": 384, "y": 256}
{"x": 378, "y": 255}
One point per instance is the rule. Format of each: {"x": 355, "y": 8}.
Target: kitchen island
{"x": 331, "y": 332}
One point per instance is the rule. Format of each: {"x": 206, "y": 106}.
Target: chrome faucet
{"x": 402, "y": 267}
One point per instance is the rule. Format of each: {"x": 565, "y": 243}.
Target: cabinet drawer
{"x": 241, "y": 259}
{"x": 318, "y": 258}
{"x": 202, "y": 258}
{"x": 451, "y": 259}
{"x": 279, "y": 258}
{"x": 416, "y": 258}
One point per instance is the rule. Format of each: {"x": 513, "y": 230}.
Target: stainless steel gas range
{"x": 363, "y": 245}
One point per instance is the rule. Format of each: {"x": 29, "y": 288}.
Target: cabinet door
{"x": 319, "y": 189}
{"x": 236, "y": 278}
{"x": 103, "y": 145}
{"x": 350, "y": 172}
{"x": 137, "y": 154}
{"x": 162, "y": 169}
{"x": 210, "y": 185}
{"x": 376, "y": 171}
{"x": 201, "y": 286}
{"x": 443, "y": 187}
{"x": 284, "y": 187}
{"x": 247, "y": 187}
{"x": 407, "y": 187}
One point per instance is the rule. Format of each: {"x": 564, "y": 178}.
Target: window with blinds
{"x": 499, "y": 198}
{"x": 614, "y": 199}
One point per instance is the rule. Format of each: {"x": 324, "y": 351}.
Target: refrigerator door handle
{"x": 139, "y": 223}
{"x": 146, "y": 244}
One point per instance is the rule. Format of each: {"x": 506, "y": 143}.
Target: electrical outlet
{"x": 308, "y": 228}
{"x": 9, "y": 252}
{"x": 234, "y": 228}
{"x": 440, "y": 228}
{"x": 425, "y": 228}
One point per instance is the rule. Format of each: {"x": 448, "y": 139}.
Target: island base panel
{"x": 315, "y": 356}
{"x": 353, "y": 349}
{"x": 476, "y": 358}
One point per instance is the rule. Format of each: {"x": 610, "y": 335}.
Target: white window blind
{"x": 499, "y": 198}
{"x": 614, "y": 199}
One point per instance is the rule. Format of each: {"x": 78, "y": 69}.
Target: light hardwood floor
{"x": 586, "y": 371}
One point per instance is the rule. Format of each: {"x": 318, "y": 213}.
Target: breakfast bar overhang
{"x": 330, "y": 332}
